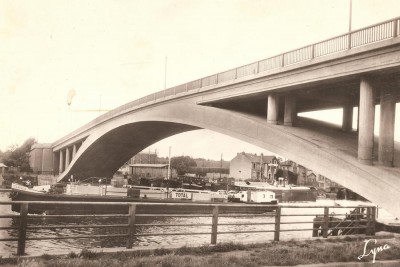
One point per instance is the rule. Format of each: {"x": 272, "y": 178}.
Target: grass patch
{"x": 9, "y": 261}
{"x": 88, "y": 254}
{"x": 46, "y": 256}
{"x": 162, "y": 252}
{"x": 72, "y": 255}
{"x": 208, "y": 249}
{"x": 283, "y": 253}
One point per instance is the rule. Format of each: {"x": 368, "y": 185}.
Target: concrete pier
{"x": 61, "y": 169}
{"x": 67, "y": 157}
{"x": 347, "y": 121}
{"x": 386, "y": 130}
{"x": 366, "y": 121}
{"x": 73, "y": 151}
{"x": 290, "y": 110}
{"x": 273, "y": 109}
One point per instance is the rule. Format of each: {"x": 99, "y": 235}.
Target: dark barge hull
{"x": 194, "y": 208}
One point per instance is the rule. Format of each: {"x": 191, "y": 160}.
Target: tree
{"x": 19, "y": 156}
{"x": 182, "y": 163}
{"x": 279, "y": 173}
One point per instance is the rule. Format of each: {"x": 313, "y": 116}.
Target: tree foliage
{"x": 279, "y": 173}
{"x": 182, "y": 163}
{"x": 19, "y": 156}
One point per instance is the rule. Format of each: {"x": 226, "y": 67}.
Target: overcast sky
{"x": 113, "y": 52}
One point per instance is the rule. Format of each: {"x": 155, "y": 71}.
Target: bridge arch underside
{"x": 109, "y": 152}
{"x": 321, "y": 147}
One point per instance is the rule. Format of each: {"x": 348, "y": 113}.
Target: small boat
{"x": 254, "y": 197}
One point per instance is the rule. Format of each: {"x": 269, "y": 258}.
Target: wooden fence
{"x": 325, "y": 224}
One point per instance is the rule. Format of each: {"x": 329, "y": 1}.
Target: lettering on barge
{"x": 182, "y": 195}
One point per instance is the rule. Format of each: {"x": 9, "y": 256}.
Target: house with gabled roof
{"x": 252, "y": 166}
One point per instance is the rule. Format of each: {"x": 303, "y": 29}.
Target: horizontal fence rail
{"x": 356, "y": 220}
{"x": 371, "y": 34}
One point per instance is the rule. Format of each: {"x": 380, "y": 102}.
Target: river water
{"x": 48, "y": 246}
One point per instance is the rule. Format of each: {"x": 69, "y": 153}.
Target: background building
{"x": 41, "y": 158}
{"x": 144, "y": 158}
{"x": 152, "y": 171}
{"x": 325, "y": 183}
{"x": 251, "y": 166}
{"x": 3, "y": 168}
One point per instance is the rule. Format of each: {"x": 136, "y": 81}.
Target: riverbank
{"x": 284, "y": 253}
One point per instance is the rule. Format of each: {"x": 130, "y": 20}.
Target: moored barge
{"x": 192, "y": 202}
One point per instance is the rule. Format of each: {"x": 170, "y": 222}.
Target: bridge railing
{"x": 327, "y": 220}
{"x": 373, "y": 33}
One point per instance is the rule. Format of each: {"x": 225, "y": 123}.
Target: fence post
{"x": 283, "y": 60}
{"x": 395, "y": 28}
{"x": 23, "y": 216}
{"x": 373, "y": 220}
{"x": 131, "y": 225}
{"x": 313, "y": 51}
{"x": 277, "y": 223}
{"x": 214, "y": 228}
{"x": 369, "y": 221}
{"x": 349, "y": 41}
{"x": 326, "y": 223}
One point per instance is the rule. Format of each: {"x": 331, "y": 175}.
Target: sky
{"x": 63, "y": 63}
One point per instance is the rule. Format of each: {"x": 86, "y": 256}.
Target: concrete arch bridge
{"x": 258, "y": 103}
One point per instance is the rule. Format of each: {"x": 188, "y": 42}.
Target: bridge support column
{"x": 366, "y": 122}
{"x": 73, "y": 151}
{"x": 290, "y": 110}
{"x": 386, "y": 130}
{"x": 56, "y": 162}
{"x": 61, "y": 168}
{"x": 67, "y": 157}
{"x": 347, "y": 121}
{"x": 273, "y": 109}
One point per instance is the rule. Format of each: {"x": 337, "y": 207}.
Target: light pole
{"x": 165, "y": 74}
{"x": 169, "y": 164}
{"x": 351, "y": 4}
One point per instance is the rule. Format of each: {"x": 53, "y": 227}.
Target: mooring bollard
{"x": 23, "y": 216}
{"x": 214, "y": 228}
{"x": 277, "y": 224}
{"x": 131, "y": 225}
